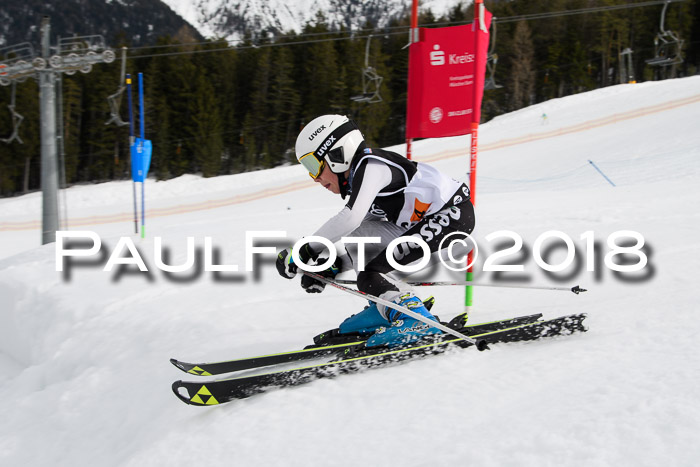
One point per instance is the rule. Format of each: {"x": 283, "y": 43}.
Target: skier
{"x": 388, "y": 196}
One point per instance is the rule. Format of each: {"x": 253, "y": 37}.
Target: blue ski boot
{"x": 365, "y": 322}
{"x": 404, "y": 329}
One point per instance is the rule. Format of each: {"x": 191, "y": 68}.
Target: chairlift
{"x": 16, "y": 118}
{"x": 18, "y": 62}
{"x": 371, "y": 81}
{"x": 492, "y": 61}
{"x": 115, "y": 99}
{"x": 667, "y": 45}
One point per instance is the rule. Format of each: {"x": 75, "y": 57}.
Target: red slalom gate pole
{"x": 412, "y": 38}
{"x": 478, "y": 11}
{"x": 469, "y": 290}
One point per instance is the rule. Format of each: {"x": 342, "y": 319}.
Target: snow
{"x": 85, "y": 352}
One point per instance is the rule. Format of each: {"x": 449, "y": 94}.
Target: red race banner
{"x": 444, "y": 68}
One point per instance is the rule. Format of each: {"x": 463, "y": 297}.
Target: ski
{"x": 229, "y": 366}
{"x": 358, "y": 358}
{"x": 328, "y": 343}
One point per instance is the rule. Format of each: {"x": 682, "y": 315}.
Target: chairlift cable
{"x": 398, "y": 30}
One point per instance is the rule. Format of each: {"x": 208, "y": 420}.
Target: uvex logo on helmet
{"x": 317, "y": 132}
{"x": 325, "y": 146}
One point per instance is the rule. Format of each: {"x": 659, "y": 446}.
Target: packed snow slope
{"x": 84, "y": 353}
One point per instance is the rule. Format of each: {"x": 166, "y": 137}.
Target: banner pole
{"x": 476, "y": 114}
{"x": 142, "y": 124}
{"x": 412, "y": 37}
{"x": 131, "y": 145}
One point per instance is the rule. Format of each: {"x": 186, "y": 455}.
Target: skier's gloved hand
{"x": 285, "y": 262}
{"x": 312, "y": 285}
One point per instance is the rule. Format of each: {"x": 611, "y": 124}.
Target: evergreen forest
{"x": 213, "y": 108}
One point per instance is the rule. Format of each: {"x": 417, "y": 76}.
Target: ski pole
{"x": 575, "y": 289}
{"x": 479, "y": 343}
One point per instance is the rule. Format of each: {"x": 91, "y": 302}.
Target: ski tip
{"x": 482, "y": 345}
{"x": 186, "y": 367}
{"x": 175, "y": 387}
{"x": 176, "y": 363}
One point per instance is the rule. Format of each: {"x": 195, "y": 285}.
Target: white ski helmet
{"x": 328, "y": 139}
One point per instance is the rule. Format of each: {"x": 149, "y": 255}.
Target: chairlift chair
{"x": 115, "y": 99}
{"x": 667, "y": 45}
{"x": 490, "y": 82}
{"x": 492, "y": 61}
{"x": 371, "y": 82}
{"x": 16, "y": 119}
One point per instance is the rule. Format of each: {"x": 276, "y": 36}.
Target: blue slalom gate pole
{"x": 142, "y": 124}
{"x": 131, "y": 150}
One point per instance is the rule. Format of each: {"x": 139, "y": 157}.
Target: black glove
{"x": 285, "y": 262}
{"x": 312, "y": 285}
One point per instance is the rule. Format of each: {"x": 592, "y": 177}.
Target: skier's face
{"x": 329, "y": 180}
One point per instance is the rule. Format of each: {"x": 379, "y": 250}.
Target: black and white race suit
{"x": 390, "y": 196}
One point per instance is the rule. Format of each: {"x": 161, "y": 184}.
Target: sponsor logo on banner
{"x": 436, "y": 115}
{"x": 457, "y": 59}
{"x": 459, "y": 113}
{"x": 437, "y": 56}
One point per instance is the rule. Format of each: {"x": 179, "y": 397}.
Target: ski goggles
{"x": 312, "y": 164}
{"x": 315, "y": 161}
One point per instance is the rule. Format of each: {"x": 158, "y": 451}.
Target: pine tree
{"x": 72, "y": 123}
{"x": 178, "y": 83}
{"x": 247, "y": 161}
{"x": 163, "y": 147}
{"x": 396, "y": 82}
{"x": 223, "y": 78}
{"x": 259, "y": 108}
{"x": 284, "y": 103}
{"x": 319, "y": 71}
{"x": 522, "y": 78}
{"x": 208, "y": 145}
